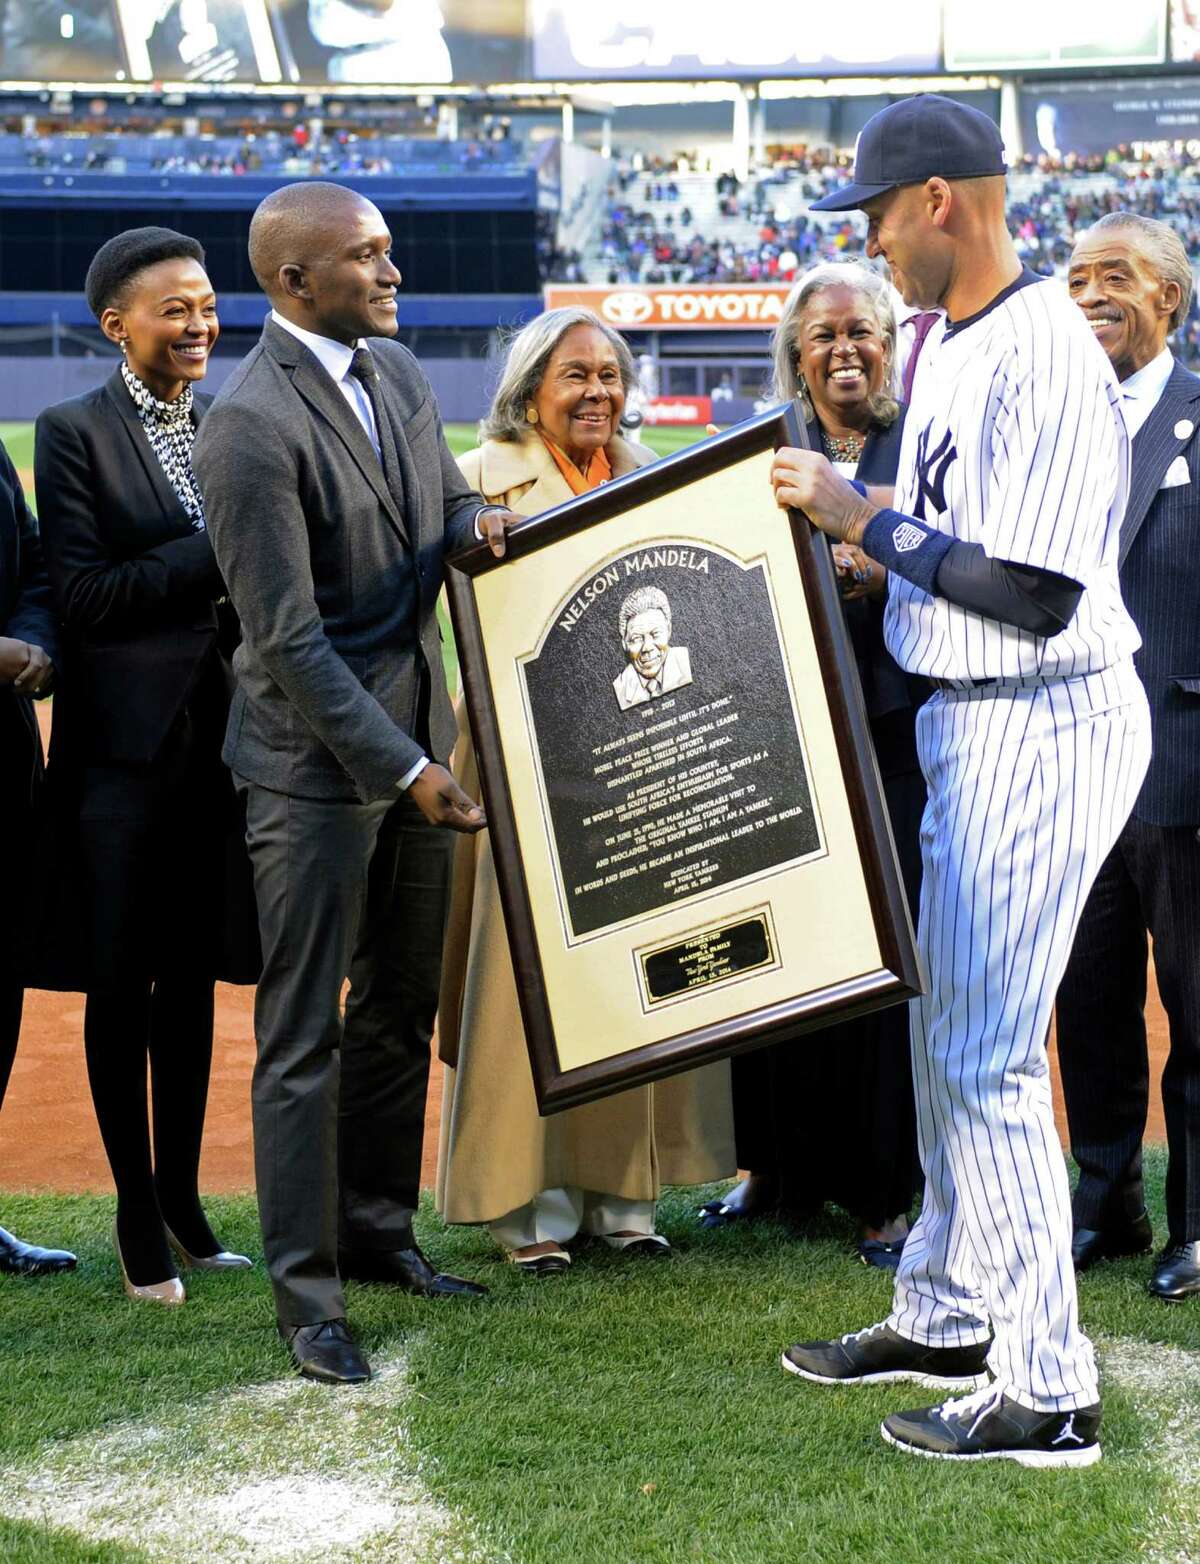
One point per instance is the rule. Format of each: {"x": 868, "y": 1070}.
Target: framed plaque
{"x": 689, "y": 831}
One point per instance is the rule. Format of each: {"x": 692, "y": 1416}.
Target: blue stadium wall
{"x": 471, "y": 234}
{"x": 466, "y": 247}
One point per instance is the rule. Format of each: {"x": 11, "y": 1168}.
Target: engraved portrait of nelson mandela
{"x": 654, "y": 666}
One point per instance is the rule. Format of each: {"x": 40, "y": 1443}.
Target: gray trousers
{"x": 343, "y": 890}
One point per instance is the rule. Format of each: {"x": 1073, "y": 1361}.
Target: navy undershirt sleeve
{"x": 1040, "y": 601}
{"x": 1022, "y": 595}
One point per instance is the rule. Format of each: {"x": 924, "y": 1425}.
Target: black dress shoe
{"x": 1090, "y": 1244}
{"x": 326, "y": 1352}
{"x": 543, "y": 1264}
{"x": 1177, "y": 1273}
{"x": 407, "y": 1269}
{"x": 18, "y": 1259}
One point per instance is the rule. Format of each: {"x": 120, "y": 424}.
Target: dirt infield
{"x": 48, "y": 1135}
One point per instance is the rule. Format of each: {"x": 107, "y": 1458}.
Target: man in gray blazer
{"x": 332, "y": 499}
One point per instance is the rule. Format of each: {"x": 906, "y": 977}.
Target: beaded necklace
{"x": 843, "y": 448}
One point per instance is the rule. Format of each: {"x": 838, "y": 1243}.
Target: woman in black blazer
{"x": 140, "y": 792}
{"x": 832, "y": 1118}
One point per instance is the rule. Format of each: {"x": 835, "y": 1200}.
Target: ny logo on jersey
{"x": 932, "y": 467}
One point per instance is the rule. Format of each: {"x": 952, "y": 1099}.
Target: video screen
{"x": 60, "y": 40}
{"x": 1185, "y": 32}
{"x": 199, "y": 41}
{"x": 578, "y": 40}
{"x": 368, "y": 42}
{"x": 1052, "y": 34}
{"x": 405, "y": 42}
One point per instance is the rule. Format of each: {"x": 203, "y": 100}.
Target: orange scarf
{"x": 599, "y": 468}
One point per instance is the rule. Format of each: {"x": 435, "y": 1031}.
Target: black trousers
{"x": 344, "y": 890}
{"x": 11, "y": 997}
{"x": 1150, "y": 882}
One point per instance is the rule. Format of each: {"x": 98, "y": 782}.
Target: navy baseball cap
{"x": 920, "y": 138}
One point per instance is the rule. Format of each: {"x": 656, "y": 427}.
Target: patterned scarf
{"x": 170, "y": 431}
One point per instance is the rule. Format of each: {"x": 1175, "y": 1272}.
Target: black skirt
{"x": 150, "y": 867}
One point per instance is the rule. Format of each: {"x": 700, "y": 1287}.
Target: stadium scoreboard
{"x": 427, "y": 42}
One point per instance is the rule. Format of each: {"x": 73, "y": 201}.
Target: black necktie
{"x": 362, "y": 367}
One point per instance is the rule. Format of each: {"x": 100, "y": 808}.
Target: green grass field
{"x": 622, "y": 1412}
{"x": 18, "y": 441}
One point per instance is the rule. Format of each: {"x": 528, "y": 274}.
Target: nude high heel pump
{"x": 221, "y": 1261}
{"x": 169, "y": 1292}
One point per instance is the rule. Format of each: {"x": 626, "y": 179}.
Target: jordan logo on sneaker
{"x": 1068, "y": 1433}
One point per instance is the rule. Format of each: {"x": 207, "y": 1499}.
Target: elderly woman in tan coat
{"x": 552, "y": 433}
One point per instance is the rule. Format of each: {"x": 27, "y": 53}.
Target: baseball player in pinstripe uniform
{"x": 1001, "y": 550}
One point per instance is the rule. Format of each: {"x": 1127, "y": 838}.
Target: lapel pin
{"x": 1184, "y": 428}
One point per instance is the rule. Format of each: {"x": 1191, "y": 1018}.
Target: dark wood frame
{"x": 896, "y": 980}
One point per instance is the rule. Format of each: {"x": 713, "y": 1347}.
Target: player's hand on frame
{"x": 440, "y": 799}
{"x": 806, "y": 481}
{"x": 493, "y": 524}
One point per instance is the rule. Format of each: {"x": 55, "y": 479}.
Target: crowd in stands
{"x": 340, "y": 153}
{"x": 650, "y": 233}
{"x": 1052, "y": 200}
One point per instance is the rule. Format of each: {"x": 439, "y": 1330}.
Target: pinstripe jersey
{"x": 1015, "y": 441}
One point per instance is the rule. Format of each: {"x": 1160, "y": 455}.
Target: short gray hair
{"x": 787, "y": 379}
{"x": 526, "y": 355}
{"x": 1166, "y": 250}
{"x": 641, "y": 601}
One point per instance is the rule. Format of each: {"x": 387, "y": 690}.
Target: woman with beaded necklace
{"x": 832, "y": 1118}
{"x": 145, "y": 811}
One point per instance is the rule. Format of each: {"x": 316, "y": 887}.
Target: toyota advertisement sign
{"x": 686, "y": 307}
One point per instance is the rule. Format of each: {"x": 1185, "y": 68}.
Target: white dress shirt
{"x": 335, "y": 359}
{"x": 1140, "y": 393}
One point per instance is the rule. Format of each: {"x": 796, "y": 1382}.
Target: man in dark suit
{"x": 332, "y": 500}
{"x": 28, "y": 647}
{"x": 1131, "y": 277}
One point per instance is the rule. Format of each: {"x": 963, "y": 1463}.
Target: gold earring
{"x": 531, "y": 415}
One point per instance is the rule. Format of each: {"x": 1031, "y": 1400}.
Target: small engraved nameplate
{"x": 707, "y": 957}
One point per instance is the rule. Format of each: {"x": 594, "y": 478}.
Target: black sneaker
{"x": 990, "y": 1426}
{"x": 876, "y": 1355}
